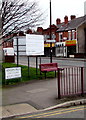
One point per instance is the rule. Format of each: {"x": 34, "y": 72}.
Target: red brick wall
{"x": 65, "y": 34}
{"x": 7, "y": 44}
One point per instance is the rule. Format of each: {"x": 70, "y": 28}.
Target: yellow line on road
{"x": 53, "y": 112}
{"x": 59, "y": 113}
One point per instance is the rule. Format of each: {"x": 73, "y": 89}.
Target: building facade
{"x": 46, "y": 33}
{"x": 75, "y": 40}
{"x": 60, "y": 36}
{"x": 68, "y": 37}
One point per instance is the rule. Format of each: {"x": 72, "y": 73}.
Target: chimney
{"x": 58, "y": 21}
{"x": 29, "y": 31}
{"x": 40, "y": 29}
{"x": 21, "y": 33}
{"x": 66, "y": 19}
{"x": 72, "y": 17}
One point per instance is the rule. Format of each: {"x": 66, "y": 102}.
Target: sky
{"x": 60, "y": 8}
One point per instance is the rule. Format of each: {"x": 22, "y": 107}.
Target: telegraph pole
{"x": 50, "y": 34}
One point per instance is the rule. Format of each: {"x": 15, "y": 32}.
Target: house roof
{"x": 72, "y": 24}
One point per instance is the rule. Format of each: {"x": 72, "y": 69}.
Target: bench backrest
{"x": 48, "y": 65}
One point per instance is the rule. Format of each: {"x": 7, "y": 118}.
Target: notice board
{"x": 11, "y": 73}
{"x": 34, "y": 44}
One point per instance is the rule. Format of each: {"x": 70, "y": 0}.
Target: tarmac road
{"x": 71, "y": 112}
{"x": 62, "y": 62}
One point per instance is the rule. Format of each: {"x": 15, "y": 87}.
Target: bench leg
{"x": 45, "y": 75}
{"x": 55, "y": 73}
{"x": 40, "y": 73}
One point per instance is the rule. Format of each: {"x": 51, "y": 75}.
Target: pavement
{"x": 33, "y": 96}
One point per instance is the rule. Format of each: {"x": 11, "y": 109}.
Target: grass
{"x": 25, "y": 77}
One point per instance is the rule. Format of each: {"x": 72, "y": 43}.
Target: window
{"x": 60, "y": 37}
{"x": 53, "y": 36}
{"x": 69, "y": 35}
{"x": 73, "y": 34}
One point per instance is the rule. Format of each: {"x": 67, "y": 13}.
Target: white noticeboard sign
{"x": 8, "y": 51}
{"x": 14, "y": 72}
{"x": 34, "y": 44}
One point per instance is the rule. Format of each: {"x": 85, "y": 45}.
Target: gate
{"x": 70, "y": 81}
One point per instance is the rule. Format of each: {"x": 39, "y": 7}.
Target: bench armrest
{"x": 61, "y": 69}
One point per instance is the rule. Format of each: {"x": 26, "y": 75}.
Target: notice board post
{"x": 28, "y": 67}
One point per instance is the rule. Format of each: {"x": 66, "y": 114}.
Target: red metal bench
{"x": 48, "y": 67}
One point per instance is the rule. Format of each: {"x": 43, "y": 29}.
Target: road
{"x": 61, "y": 62}
{"x": 71, "y": 112}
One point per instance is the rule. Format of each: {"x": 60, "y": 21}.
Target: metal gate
{"x": 70, "y": 81}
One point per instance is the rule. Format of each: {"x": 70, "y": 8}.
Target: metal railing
{"x": 70, "y": 81}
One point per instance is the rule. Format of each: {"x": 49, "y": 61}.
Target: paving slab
{"x": 17, "y": 109}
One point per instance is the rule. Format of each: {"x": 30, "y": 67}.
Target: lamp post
{"x": 50, "y": 34}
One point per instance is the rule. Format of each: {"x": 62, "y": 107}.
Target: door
{"x": 71, "y": 50}
{"x": 85, "y": 41}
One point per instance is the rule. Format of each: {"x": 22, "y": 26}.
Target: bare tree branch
{"x": 17, "y": 15}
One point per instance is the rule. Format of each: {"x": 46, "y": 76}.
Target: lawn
{"x": 25, "y": 77}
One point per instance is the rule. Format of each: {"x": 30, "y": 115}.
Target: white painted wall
{"x": 81, "y": 38}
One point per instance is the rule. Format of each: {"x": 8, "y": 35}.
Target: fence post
{"x": 82, "y": 79}
{"x": 59, "y": 95}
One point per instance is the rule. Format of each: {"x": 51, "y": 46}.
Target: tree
{"x": 17, "y": 15}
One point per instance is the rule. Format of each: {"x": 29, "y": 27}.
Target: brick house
{"x": 46, "y": 33}
{"x": 69, "y": 36}
{"x": 75, "y": 33}
{"x": 8, "y": 40}
{"x": 59, "y": 36}
{"x": 8, "y": 43}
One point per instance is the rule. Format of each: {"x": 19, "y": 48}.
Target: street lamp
{"x": 50, "y": 34}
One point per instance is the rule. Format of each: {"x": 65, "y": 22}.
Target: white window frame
{"x": 69, "y": 35}
{"x": 60, "y": 39}
{"x": 73, "y": 34}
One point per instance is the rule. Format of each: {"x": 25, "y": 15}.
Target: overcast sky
{"x": 60, "y": 8}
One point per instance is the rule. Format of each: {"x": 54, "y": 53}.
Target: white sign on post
{"x": 34, "y": 44}
{"x": 8, "y": 51}
{"x": 14, "y": 72}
